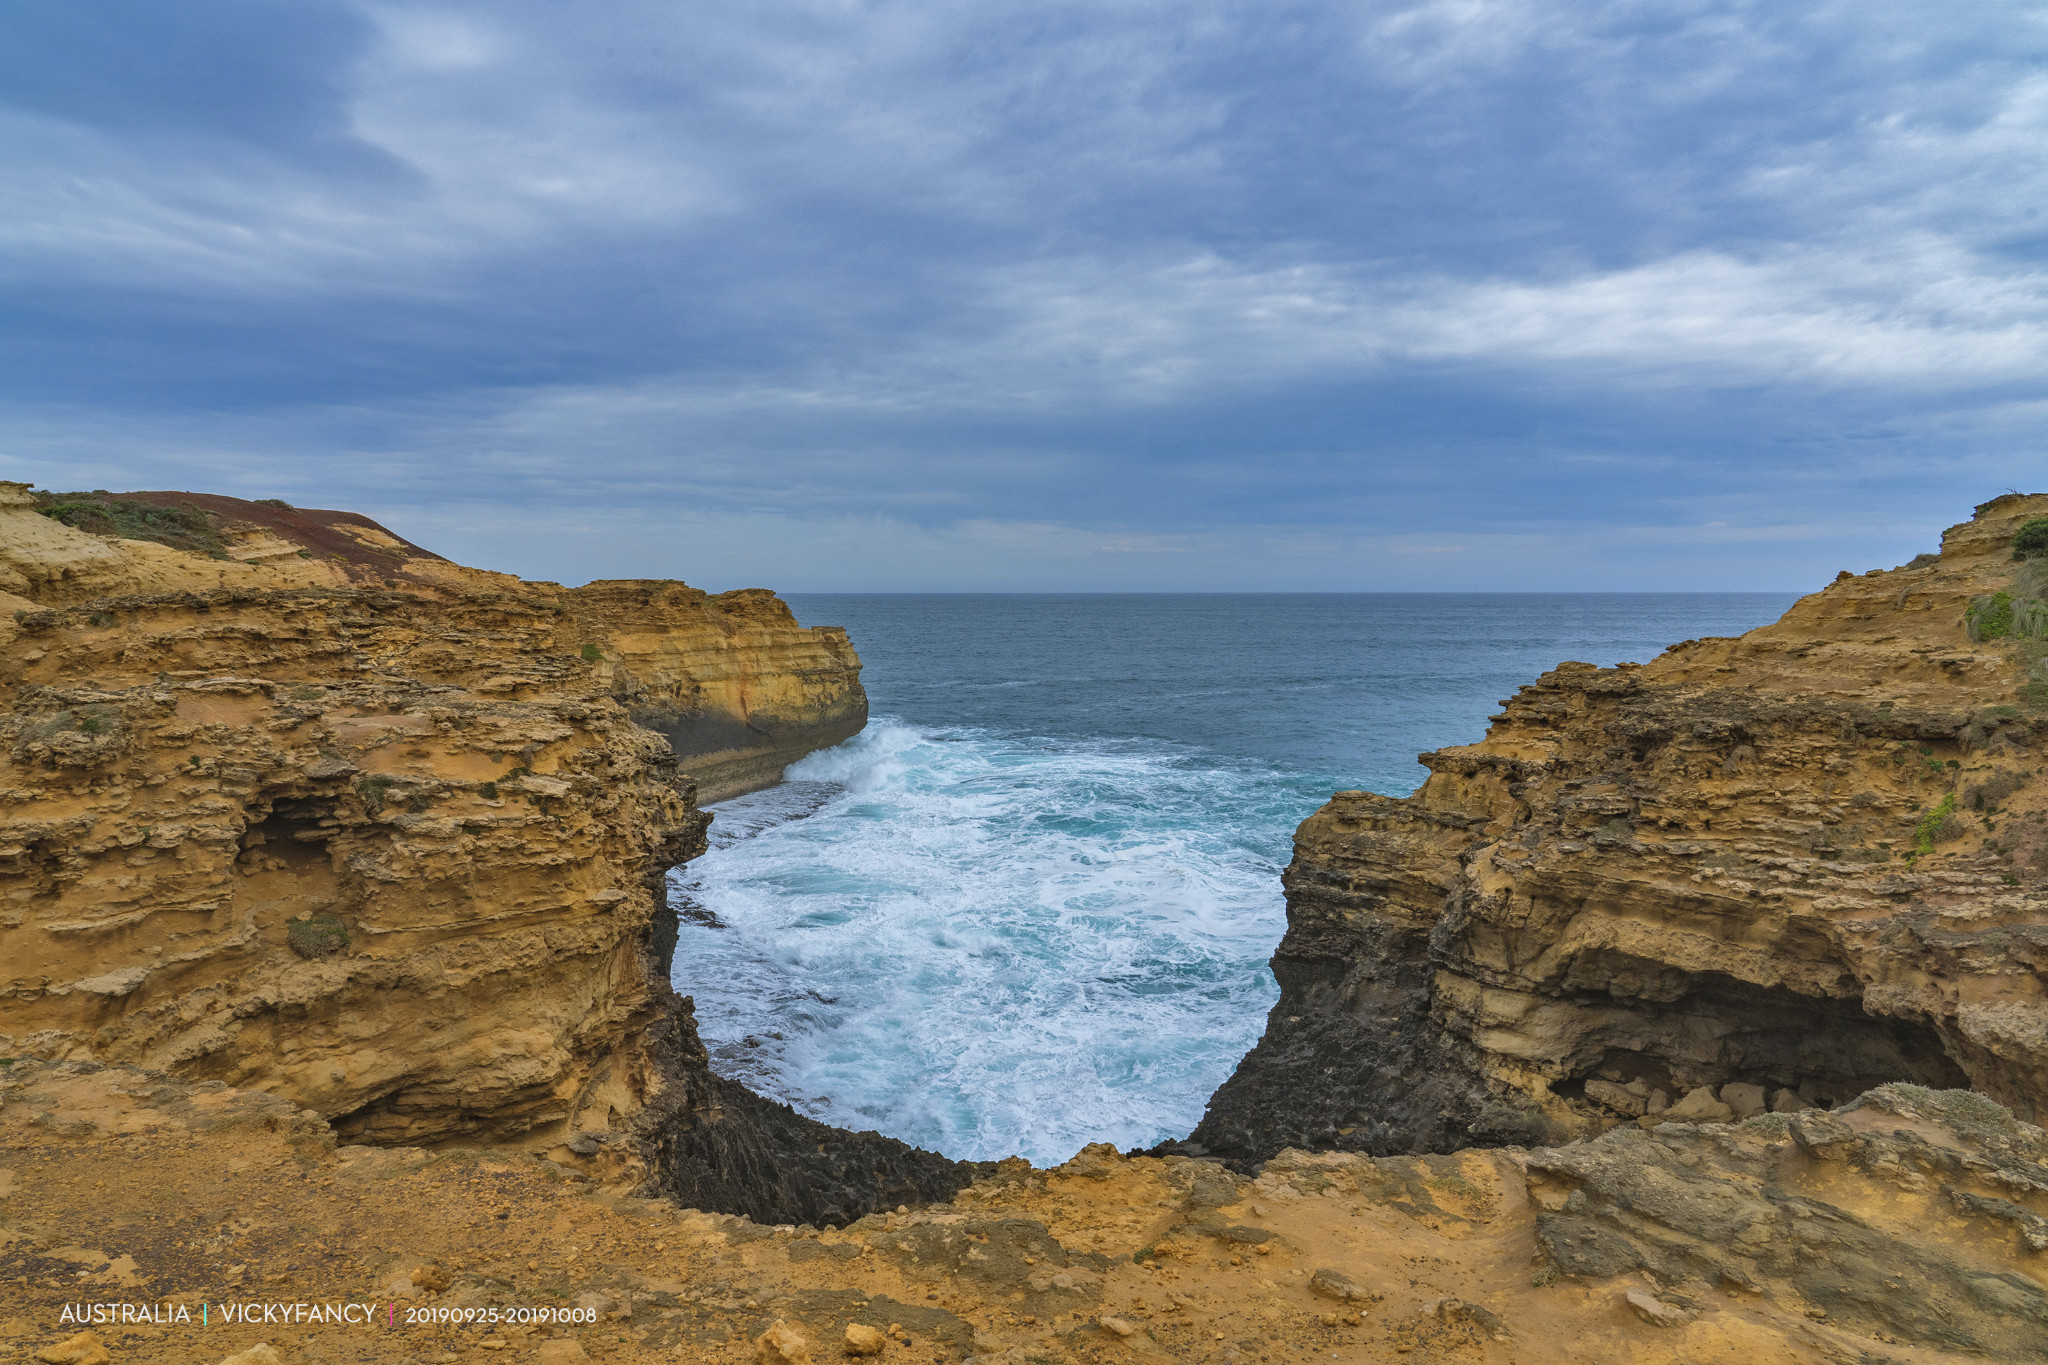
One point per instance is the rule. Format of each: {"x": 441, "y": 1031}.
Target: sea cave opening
{"x": 1824, "y": 1050}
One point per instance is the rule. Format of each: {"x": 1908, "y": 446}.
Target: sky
{"x": 824, "y": 295}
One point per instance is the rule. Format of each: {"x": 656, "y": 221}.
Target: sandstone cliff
{"x": 735, "y": 685}
{"x": 1800, "y": 863}
{"x": 380, "y": 835}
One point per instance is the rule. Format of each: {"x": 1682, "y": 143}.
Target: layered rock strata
{"x": 391, "y": 847}
{"x": 736, "y": 686}
{"x": 1807, "y": 860}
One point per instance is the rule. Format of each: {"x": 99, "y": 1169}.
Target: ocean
{"x": 1030, "y": 907}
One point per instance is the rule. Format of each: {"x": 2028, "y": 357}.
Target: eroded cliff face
{"x": 385, "y": 841}
{"x": 1809, "y": 860}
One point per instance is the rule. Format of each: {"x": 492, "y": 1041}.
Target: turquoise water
{"x": 1030, "y": 907}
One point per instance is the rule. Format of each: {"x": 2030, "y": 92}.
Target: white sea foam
{"x": 986, "y": 944}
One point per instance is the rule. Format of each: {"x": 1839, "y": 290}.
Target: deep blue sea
{"x": 1030, "y": 907}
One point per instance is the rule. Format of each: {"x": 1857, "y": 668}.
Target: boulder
{"x": 1746, "y": 1100}
{"x": 1698, "y": 1106}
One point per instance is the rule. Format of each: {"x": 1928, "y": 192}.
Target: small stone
{"x": 262, "y": 1353}
{"x": 561, "y": 1351}
{"x": 83, "y": 1349}
{"x": 863, "y": 1340}
{"x": 1787, "y": 1102}
{"x": 430, "y": 1277}
{"x": 782, "y": 1344}
{"x": 1659, "y": 1102}
{"x": 1119, "y": 1326}
{"x": 1746, "y": 1100}
{"x": 1335, "y": 1284}
{"x": 1654, "y": 1310}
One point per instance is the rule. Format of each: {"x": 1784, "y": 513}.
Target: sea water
{"x": 1031, "y": 905}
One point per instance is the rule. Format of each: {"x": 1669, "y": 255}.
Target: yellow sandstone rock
{"x": 82, "y": 1349}
{"x": 782, "y": 1344}
{"x": 863, "y": 1340}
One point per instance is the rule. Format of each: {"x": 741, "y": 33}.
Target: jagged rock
{"x": 1813, "y": 859}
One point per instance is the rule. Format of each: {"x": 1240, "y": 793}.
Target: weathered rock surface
{"x": 1808, "y": 860}
{"x": 393, "y": 847}
{"x": 1894, "y": 1228}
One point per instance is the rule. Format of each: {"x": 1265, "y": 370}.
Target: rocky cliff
{"x": 1767, "y": 871}
{"x": 380, "y": 835}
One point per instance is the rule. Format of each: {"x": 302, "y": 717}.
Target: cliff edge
{"x": 1763, "y": 872}
{"x": 380, "y": 835}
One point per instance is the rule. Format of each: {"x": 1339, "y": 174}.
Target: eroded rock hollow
{"x": 1779, "y": 869}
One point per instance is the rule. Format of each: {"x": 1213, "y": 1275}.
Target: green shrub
{"x": 591, "y": 654}
{"x": 275, "y": 502}
{"x": 2031, "y": 540}
{"x": 1992, "y": 790}
{"x": 318, "y": 936}
{"x": 1990, "y": 618}
{"x": 489, "y": 791}
{"x": 1938, "y": 826}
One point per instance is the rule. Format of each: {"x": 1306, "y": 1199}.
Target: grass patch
{"x": 100, "y": 513}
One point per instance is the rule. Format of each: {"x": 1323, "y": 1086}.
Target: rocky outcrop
{"x": 1808, "y": 860}
{"x": 390, "y": 847}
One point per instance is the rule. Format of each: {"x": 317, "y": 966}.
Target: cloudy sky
{"x": 1019, "y": 294}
